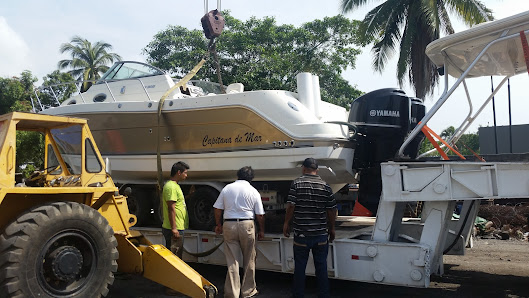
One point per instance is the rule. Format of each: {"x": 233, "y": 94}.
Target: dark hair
{"x": 245, "y": 173}
{"x": 179, "y": 166}
{"x": 310, "y": 163}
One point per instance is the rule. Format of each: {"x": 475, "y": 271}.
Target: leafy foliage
{"x": 14, "y": 97}
{"x": 16, "y": 91}
{"x": 30, "y": 150}
{"x": 410, "y": 26}
{"x": 88, "y": 61}
{"x": 264, "y": 55}
{"x": 56, "y": 85}
{"x": 465, "y": 145}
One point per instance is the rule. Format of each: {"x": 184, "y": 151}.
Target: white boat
{"x": 272, "y": 131}
{"x": 216, "y": 134}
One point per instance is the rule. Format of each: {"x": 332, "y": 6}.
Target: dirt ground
{"x": 492, "y": 268}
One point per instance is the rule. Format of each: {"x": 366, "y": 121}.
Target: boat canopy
{"x": 504, "y": 57}
{"x": 490, "y": 49}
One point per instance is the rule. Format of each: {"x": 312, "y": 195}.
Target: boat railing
{"x": 469, "y": 119}
{"x": 77, "y": 84}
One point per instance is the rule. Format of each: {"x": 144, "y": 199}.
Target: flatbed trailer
{"x": 392, "y": 249}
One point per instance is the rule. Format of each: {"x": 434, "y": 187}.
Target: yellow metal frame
{"x": 137, "y": 254}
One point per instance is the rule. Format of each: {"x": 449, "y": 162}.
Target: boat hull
{"x": 217, "y": 135}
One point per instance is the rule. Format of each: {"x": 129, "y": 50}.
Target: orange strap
{"x": 428, "y": 132}
{"x": 525, "y": 49}
{"x": 434, "y": 143}
{"x": 475, "y": 154}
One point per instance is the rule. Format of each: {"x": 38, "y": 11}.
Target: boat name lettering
{"x": 252, "y": 137}
{"x": 150, "y": 86}
{"x": 247, "y": 137}
{"x": 215, "y": 141}
{"x": 384, "y": 113}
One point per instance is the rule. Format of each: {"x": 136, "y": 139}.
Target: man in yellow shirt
{"x": 175, "y": 218}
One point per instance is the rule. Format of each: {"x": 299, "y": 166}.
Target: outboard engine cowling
{"x": 383, "y": 119}
{"x": 418, "y": 110}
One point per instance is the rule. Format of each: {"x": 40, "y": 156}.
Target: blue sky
{"x": 31, "y": 32}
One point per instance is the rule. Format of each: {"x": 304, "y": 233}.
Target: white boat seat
{"x": 235, "y": 88}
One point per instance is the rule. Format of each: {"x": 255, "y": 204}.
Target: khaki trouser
{"x": 239, "y": 236}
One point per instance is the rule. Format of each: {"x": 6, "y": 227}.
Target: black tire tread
{"x": 13, "y": 241}
{"x": 207, "y": 194}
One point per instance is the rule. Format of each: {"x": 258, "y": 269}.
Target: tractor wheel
{"x": 60, "y": 249}
{"x": 200, "y": 209}
{"x": 158, "y": 211}
{"x": 140, "y": 205}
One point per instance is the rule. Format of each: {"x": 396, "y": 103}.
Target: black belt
{"x": 237, "y": 219}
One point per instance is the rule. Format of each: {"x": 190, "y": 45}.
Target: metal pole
{"x": 205, "y": 6}
{"x": 218, "y": 5}
{"x": 510, "y": 116}
{"x": 494, "y": 116}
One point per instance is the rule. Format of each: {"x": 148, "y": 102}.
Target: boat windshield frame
{"x": 134, "y": 72}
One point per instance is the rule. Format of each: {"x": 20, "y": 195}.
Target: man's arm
{"x": 172, "y": 218}
{"x": 218, "y": 221}
{"x": 261, "y": 221}
{"x": 288, "y": 216}
{"x": 331, "y": 220}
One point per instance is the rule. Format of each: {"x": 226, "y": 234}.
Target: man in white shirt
{"x": 241, "y": 204}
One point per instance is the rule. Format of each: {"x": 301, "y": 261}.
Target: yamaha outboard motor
{"x": 383, "y": 119}
{"x": 418, "y": 110}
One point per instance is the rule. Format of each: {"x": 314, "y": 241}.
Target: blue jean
{"x": 177, "y": 247}
{"x": 320, "y": 249}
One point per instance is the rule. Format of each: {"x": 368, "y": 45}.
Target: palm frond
{"x": 384, "y": 22}
{"x": 351, "y": 5}
{"x": 471, "y": 12}
{"x": 413, "y": 24}
{"x": 446, "y": 24}
{"x": 88, "y": 61}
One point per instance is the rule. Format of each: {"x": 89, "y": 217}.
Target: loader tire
{"x": 140, "y": 205}
{"x": 200, "y": 209}
{"x": 61, "y": 249}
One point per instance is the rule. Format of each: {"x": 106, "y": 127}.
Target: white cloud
{"x": 14, "y": 51}
{"x": 506, "y": 8}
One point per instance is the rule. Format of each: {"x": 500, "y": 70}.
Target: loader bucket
{"x": 160, "y": 265}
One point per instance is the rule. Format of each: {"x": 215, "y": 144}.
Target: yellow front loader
{"x": 65, "y": 230}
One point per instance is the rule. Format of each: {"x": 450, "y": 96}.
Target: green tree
{"x": 16, "y": 89}
{"x": 410, "y": 25}
{"x": 30, "y": 151}
{"x": 57, "y": 86}
{"x": 88, "y": 61}
{"x": 264, "y": 55}
{"x": 468, "y": 142}
{"x": 465, "y": 145}
{"x": 15, "y": 94}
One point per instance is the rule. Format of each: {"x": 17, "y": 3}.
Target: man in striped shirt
{"x": 312, "y": 206}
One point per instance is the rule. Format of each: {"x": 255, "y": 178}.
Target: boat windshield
{"x": 129, "y": 69}
{"x": 207, "y": 87}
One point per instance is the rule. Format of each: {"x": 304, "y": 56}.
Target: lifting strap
{"x": 204, "y": 253}
{"x": 525, "y": 48}
{"x": 475, "y": 154}
{"x": 428, "y": 132}
{"x": 182, "y": 83}
{"x": 212, "y": 31}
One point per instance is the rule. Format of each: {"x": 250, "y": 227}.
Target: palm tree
{"x": 88, "y": 62}
{"x": 413, "y": 24}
